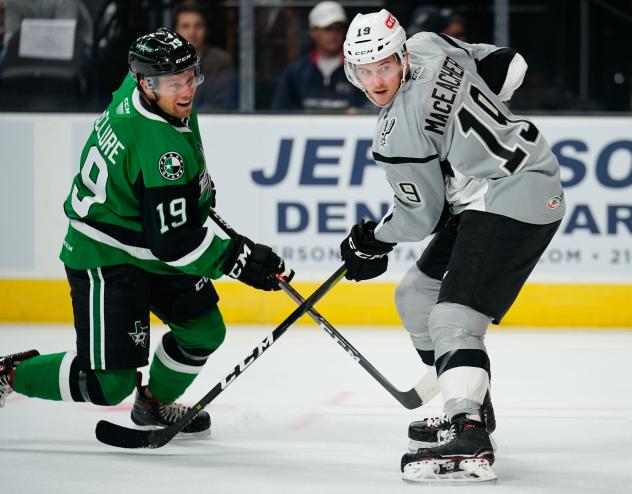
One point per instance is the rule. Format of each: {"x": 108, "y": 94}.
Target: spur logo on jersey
{"x": 555, "y": 201}
{"x": 171, "y": 166}
{"x": 389, "y": 125}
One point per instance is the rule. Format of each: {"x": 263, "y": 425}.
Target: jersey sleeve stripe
{"x": 196, "y": 253}
{"x": 94, "y": 234}
{"x": 494, "y": 69}
{"x": 395, "y": 160}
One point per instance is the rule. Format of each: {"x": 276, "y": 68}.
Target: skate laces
{"x": 5, "y": 389}
{"x": 447, "y": 436}
{"x": 172, "y": 412}
{"x": 437, "y": 422}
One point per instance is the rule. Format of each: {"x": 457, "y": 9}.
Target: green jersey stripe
{"x": 97, "y": 323}
{"x": 99, "y": 236}
{"x": 142, "y": 253}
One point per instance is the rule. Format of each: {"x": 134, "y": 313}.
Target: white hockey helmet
{"x": 373, "y": 37}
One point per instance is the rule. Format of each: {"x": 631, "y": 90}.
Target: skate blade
{"x": 467, "y": 470}
{"x": 181, "y": 436}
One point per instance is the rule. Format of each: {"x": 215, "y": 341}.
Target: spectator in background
{"x": 317, "y": 81}
{"x": 219, "y": 91}
{"x": 434, "y": 20}
{"x": 16, "y": 10}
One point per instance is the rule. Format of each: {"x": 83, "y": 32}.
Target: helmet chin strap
{"x": 401, "y": 83}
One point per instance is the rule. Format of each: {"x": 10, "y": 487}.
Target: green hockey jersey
{"x": 142, "y": 194}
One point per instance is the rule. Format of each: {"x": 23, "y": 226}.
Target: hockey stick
{"x": 424, "y": 391}
{"x": 124, "y": 437}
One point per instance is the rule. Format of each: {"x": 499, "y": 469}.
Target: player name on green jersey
{"x": 109, "y": 144}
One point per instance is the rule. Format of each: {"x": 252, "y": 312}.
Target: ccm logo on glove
{"x": 253, "y": 264}
{"x": 240, "y": 262}
{"x": 364, "y": 256}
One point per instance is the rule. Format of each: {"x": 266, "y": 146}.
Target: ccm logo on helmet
{"x": 390, "y": 21}
{"x": 365, "y": 52}
{"x": 183, "y": 58}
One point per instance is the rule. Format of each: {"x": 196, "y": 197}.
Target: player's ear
{"x": 147, "y": 92}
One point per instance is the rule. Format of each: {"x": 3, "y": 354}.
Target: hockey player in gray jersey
{"x": 461, "y": 165}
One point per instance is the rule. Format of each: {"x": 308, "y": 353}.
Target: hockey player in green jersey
{"x": 140, "y": 240}
{"x": 463, "y": 166}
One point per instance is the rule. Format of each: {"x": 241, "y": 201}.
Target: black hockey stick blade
{"x": 426, "y": 389}
{"x": 125, "y": 437}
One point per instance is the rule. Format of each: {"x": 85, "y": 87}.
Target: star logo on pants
{"x": 139, "y": 336}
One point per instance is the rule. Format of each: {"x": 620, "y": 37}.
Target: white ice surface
{"x": 305, "y": 418}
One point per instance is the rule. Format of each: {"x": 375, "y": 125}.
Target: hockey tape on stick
{"x": 426, "y": 389}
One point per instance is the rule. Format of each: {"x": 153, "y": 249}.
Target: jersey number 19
{"x": 94, "y": 183}
{"x": 512, "y": 159}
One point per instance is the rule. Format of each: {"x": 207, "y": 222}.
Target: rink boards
{"x": 299, "y": 183}
{"x": 544, "y": 305}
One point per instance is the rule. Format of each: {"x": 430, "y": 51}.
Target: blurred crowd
{"x": 69, "y": 55}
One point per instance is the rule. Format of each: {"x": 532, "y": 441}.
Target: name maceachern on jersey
{"x": 444, "y": 93}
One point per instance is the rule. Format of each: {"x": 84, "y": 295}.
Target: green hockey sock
{"x": 57, "y": 377}
{"x": 167, "y": 384}
{"x": 182, "y": 352}
{"x": 38, "y": 377}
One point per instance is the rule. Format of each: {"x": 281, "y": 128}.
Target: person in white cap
{"x": 463, "y": 166}
{"x": 316, "y": 81}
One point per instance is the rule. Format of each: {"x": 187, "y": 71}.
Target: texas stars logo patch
{"x": 139, "y": 336}
{"x": 171, "y": 165}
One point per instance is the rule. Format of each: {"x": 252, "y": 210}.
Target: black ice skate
{"x": 465, "y": 456}
{"x": 7, "y": 364}
{"x": 433, "y": 431}
{"x": 153, "y": 414}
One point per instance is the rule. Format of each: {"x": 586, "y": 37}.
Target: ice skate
{"x": 433, "y": 431}
{"x": 466, "y": 455}
{"x": 7, "y": 364}
{"x": 152, "y": 413}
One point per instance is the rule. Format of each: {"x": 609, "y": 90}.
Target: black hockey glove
{"x": 253, "y": 264}
{"x": 364, "y": 256}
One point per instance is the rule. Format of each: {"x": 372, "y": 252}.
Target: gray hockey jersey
{"x": 448, "y": 137}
